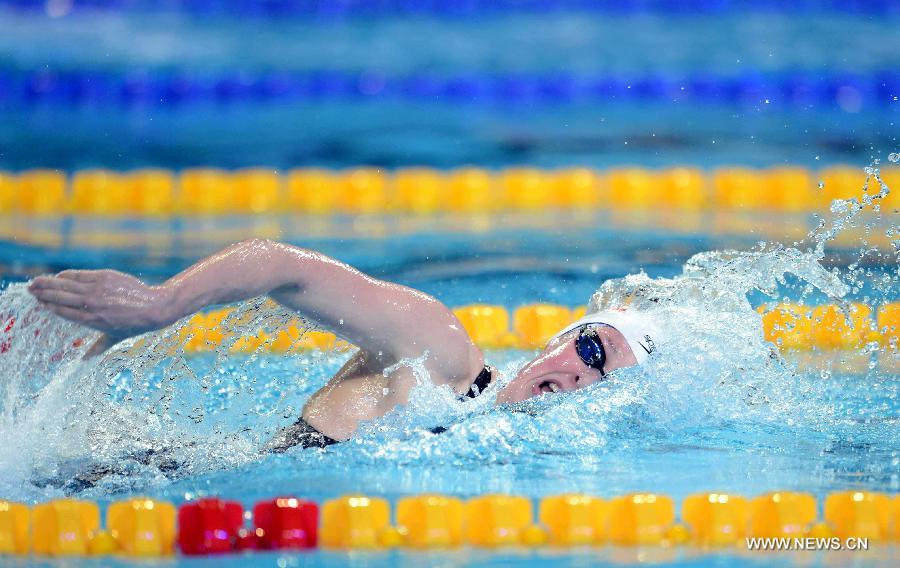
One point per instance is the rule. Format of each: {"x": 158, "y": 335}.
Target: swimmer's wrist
{"x": 165, "y": 309}
{"x": 175, "y": 299}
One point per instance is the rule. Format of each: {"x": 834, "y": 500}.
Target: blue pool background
{"x": 552, "y": 86}
{"x": 121, "y": 85}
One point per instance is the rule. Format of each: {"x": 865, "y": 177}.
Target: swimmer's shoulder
{"x": 450, "y": 354}
{"x": 361, "y": 391}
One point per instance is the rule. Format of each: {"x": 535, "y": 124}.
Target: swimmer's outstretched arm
{"x": 387, "y": 321}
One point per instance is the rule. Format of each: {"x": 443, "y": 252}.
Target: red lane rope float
{"x": 209, "y": 526}
{"x": 284, "y": 523}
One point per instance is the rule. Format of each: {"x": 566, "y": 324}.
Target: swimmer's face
{"x": 559, "y": 368}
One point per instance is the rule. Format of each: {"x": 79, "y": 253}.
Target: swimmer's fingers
{"x": 79, "y": 275}
{"x": 71, "y": 314}
{"x": 58, "y": 283}
{"x": 40, "y": 282}
{"x": 57, "y": 297}
{"x": 85, "y": 318}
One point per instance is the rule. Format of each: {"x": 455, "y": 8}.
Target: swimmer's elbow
{"x": 257, "y": 247}
{"x": 288, "y": 270}
{"x": 285, "y": 263}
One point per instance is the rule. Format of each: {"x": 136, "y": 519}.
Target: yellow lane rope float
{"x": 364, "y": 190}
{"x": 792, "y": 327}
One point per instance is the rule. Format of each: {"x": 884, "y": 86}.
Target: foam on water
{"x": 150, "y": 415}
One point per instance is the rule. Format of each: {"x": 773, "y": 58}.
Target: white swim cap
{"x": 635, "y": 326}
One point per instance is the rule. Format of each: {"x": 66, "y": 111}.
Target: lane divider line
{"x": 424, "y": 191}
{"x": 144, "y": 527}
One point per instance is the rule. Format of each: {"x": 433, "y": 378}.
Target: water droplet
{"x": 894, "y": 157}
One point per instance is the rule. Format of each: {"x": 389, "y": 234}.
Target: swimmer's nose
{"x": 571, "y": 382}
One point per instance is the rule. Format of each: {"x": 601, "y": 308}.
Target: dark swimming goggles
{"x": 590, "y": 349}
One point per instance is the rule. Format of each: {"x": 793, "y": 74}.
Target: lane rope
{"x": 369, "y": 190}
{"x": 143, "y": 527}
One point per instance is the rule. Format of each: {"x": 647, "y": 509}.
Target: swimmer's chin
{"x": 518, "y": 390}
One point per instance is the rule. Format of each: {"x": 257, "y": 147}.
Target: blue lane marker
{"x": 137, "y": 88}
{"x": 331, "y": 9}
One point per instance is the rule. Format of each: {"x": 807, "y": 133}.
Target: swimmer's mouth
{"x": 548, "y": 386}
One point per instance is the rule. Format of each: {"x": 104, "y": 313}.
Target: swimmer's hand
{"x": 115, "y": 303}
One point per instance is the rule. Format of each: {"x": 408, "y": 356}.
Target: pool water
{"x": 716, "y": 414}
{"x": 783, "y": 59}
{"x": 826, "y": 435}
{"x": 811, "y": 88}
{"x": 500, "y": 559}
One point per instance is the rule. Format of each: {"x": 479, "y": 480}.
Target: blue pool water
{"x": 716, "y": 415}
{"x": 810, "y": 88}
{"x": 111, "y": 87}
{"x": 501, "y": 559}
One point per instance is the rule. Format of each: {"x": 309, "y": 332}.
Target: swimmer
{"x": 386, "y": 321}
